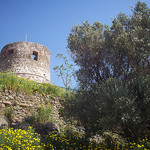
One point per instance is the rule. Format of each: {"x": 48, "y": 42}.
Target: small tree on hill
{"x": 65, "y": 71}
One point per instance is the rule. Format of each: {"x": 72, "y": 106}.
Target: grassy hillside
{"x": 12, "y": 82}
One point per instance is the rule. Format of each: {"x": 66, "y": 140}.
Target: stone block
{"x": 7, "y": 102}
{"x": 2, "y": 105}
{"x": 24, "y": 105}
{"x": 4, "y": 121}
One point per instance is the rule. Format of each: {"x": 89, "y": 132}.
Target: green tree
{"x": 65, "y": 71}
{"x": 128, "y": 42}
{"x": 102, "y": 52}
{"x": 115, "y": 69}
{"x": 86, "y": 42}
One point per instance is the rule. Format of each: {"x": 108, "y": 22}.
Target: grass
{"x": 43, "y": 114}
{"x": 9, "y": 112}
{"x": 12, "y": 82}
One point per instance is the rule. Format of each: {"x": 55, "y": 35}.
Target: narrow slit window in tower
{"x": 10, "y": 51}
{"x": 35, "y": 55}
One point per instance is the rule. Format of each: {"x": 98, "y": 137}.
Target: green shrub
{"x": 69, "y": 141}
{"x": 15, "y": 139}
{"x": 115, "y": 105}
{"x": 9, "y": 112}
{"x": 43, "y": 114}
{"x": 73, "y": 141}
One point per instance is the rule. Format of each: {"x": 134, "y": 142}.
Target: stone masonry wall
{"x": 26, "y": 59}
{"x": 23, "y": 104}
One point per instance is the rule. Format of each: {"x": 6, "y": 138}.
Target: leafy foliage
{"x": 43, "y": 114}
{"x": 121, "y": 51}
{"x": 86, "y": 44}
{"x": 114, "y": 74}
{"x": 72, "y": 141}
{"x": 128, "y": 42}
{"x": 9, "y": 112}
{"x": 114, "y": 105}
{"x": 65, "y": 71}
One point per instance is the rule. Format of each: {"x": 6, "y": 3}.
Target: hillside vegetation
{"x": 112, "y": 104}
{"x": 15, "y": 139}
{"x": 12, "y": 82}
{"x": 113, "y": 74}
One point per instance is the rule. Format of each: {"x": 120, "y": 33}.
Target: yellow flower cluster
{"x": 19, "y": 139}
{"x": 143, "y": 144}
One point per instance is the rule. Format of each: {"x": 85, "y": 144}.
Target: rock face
{"x": 50, "y": 126}
{"x": 45, "y": 128}
{"x": 4, "y": 121}
{"x": 27, "y": 60}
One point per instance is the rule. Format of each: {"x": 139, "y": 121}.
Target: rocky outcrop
{"x": 4, "y": 121}
{"x": 45, "y": 128}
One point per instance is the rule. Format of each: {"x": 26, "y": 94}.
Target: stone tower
{"x": 27, "y": 60}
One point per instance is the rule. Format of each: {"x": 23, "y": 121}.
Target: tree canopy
{"x": 102, "y": 52}
{"x": 114, "y": 74}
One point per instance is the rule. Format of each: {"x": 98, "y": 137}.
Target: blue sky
{"x": 49, "y": 22}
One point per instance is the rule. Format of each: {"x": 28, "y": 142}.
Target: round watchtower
{"x": 27, "y": 60}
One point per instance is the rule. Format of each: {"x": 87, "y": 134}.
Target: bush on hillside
{"x": 13, "y": 139}
{"x": 122, "y": 107}
{"x": 43, "y": 114}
